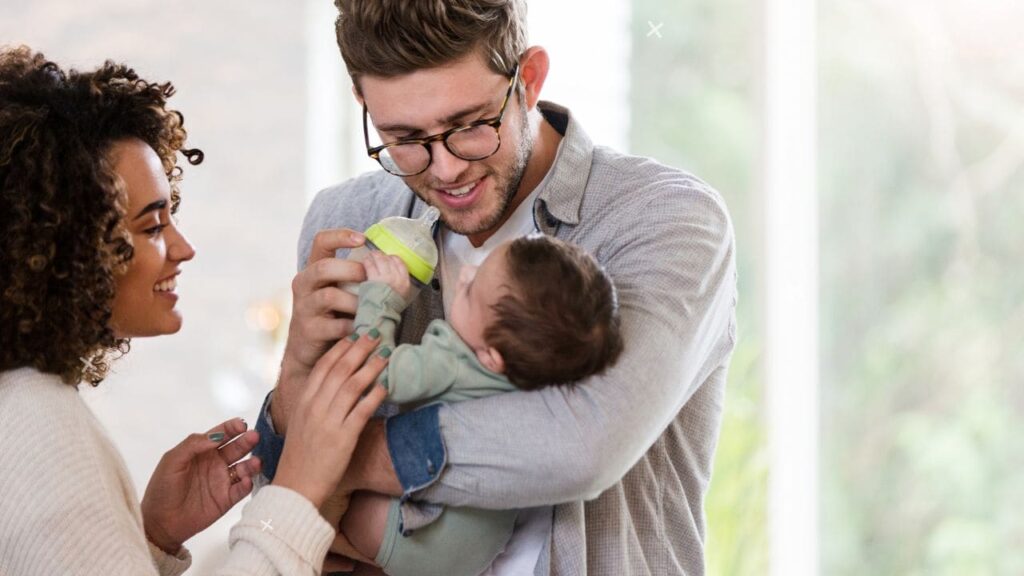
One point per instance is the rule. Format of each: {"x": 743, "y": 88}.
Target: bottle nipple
{"x": 429, "y": 217}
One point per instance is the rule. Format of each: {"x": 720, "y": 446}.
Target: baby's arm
{"x": 382, "y": 297}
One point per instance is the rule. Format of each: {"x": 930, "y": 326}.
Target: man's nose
{"x": 445, "y": 166}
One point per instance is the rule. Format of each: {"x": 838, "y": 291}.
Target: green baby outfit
{"x": 440, "y": 368}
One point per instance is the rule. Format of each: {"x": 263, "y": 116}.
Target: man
{"x": 614, "y": 470}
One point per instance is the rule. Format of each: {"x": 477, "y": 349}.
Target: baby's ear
{"x": 491, "y": 359}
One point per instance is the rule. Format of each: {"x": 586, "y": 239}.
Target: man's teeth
{"x": 166, "y": 285}
{"x": 461, "y": 191}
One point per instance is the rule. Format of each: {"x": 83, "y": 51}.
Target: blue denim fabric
{"x": 416, "y": 448}
{"x": 271, "y": 444}
{"x": 414, "y": 442}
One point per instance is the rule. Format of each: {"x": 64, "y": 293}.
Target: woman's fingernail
{"x": 384, "y": 352}
{"x": 353, "y": 337}
{"x": 216, "y": 436}
{"x": 374, "y": 333}
{"x": 357, "y": 237}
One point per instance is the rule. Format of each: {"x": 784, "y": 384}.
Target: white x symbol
{"x": 655, "y": 29}
{"x": 266, "y": 524}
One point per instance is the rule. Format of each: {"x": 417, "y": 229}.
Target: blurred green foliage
{"x": 921, "y": 172}
{"x": 921, "y": 151}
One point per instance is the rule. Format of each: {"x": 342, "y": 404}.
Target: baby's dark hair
{"x": 62, "y": 205}
{"x": 559, "y": 320}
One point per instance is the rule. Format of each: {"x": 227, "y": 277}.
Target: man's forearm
{"x": 288, "y": 383}
{"x": 371, "y": 468}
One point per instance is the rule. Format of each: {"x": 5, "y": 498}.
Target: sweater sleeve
{"x": 168, "y": 565}
{"x": 380, "y": 307}
{"x": 68, "y": 506}
{"x": 280, "y": 533}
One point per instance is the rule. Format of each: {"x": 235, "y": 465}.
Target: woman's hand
{"x": 328, "y": 418}
{"x": 196, "y": 482}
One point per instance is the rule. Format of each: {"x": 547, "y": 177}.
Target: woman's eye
{"x": 155, "y": 230}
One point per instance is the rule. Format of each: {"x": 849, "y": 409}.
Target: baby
{"x": 537, "y": 312}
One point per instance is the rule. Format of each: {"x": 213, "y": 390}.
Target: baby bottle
{"x": 408, "y": 238}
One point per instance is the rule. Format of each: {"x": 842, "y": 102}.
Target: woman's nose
{"x": 180, "y": 250}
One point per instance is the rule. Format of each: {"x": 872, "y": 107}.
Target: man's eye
{"x": 398, "y": 138}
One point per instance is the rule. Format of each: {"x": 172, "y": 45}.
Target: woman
{"x": 89, "y": 254}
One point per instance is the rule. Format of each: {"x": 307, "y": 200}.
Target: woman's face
{"x": 144, "y": 301}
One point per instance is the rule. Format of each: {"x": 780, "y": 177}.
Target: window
{"x": 922, "y": 150}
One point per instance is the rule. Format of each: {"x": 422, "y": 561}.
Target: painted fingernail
{"x": 384, "y": 352}
{"x": 353, "y": 337}
{"x": 374, "y": 333}
{"x": 216, "y": 436}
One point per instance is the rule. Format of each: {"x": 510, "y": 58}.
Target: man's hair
{"x": 62, "y": 205}
{"x": 558, "y": 322}
{"x": 394, "y": 37}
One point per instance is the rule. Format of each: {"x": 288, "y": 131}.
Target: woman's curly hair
{"x": 61, "y": 206}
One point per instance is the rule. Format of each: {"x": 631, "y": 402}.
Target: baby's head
{"x": 540, "y": 311}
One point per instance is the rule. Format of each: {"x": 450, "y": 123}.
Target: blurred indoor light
{"x": 263, "y": 316}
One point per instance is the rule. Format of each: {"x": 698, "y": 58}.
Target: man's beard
{"x": 511, "y": 178}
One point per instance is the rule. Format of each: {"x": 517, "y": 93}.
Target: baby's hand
{"x": 389, "y": 269}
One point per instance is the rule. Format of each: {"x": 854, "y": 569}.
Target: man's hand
{"x": 322, "y": 314}
{"x": 391, "y": 270}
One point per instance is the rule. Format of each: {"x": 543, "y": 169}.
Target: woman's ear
{"x": 491, "y": 359}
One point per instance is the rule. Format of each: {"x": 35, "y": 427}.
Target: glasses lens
{"x": 405, "y": 160}
{"x": 474, "y": 143}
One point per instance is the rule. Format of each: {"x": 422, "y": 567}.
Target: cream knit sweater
{"x": 68, "y": 506}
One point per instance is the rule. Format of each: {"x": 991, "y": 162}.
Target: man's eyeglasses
{"x": 474, "y": 141}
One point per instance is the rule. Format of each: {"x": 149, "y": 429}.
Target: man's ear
{"x": 533, "y": 70}
{"x": 491, "y": 359}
